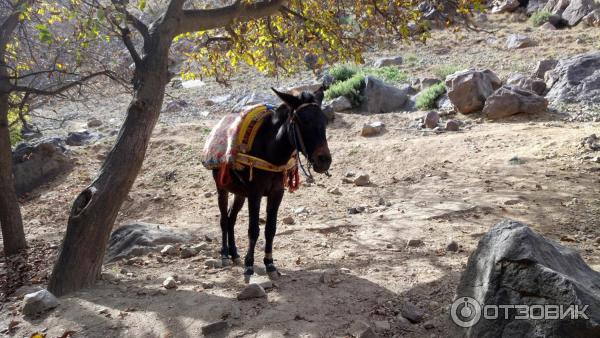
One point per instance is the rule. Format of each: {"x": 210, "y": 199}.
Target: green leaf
{"x": 44, "y": 33}
{"x": 142, "y": 5}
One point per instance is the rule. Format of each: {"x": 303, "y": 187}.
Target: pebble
{"x": 415, "y": 243}
{"x": 170, "y": 283}
{"x": 94, "y": 122}
{"x": 452, "y": 247}
{"x": 168, "y": 250}
{"x": 187, "y": 252}
{"x": 452, "y": 125}
{"x": 38, "y": 302}
{"x": 300, "y": 210}
{"x": 431, "y": 119}
{"x": 334, "y": 191}
{"x": 252, "y": 291}
{"x": 362, "y": 180}
{"x": 213, "y": 263}
{"x": 411, "y": 312}
{"x": 355, "y": 210}
{"x": 208, "y": 285}
{"x": 372, "y": 129}
{"x": 214, "y": 327}
{"x": 289, "y": 220}
{"x": 428, "y": 325}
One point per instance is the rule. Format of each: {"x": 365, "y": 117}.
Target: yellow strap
{"x": 254, "y": 118}
{"x": 255, "y": 162}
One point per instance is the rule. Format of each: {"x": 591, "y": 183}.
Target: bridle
{"x": 297, "y": 140}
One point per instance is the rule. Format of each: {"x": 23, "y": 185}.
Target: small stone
{"x": 187, "y": 252}
{"x": 168, "y": 250}
{"x": 355, "y": 210}
{"x": 388, "y": 61}
{"x": 94, "y": 123}
{"x": 208, "y": 194}
{"x": 431, "y": 119}
{"x": 334, "y": 191}
{"x": 289, "y": 220}
{"x": 362, "y": 180}
{"x": 264, "y": 282}
{"x": 382, "y": 325}
{"x": 411, "y": 312}
{"x": 340, "y": 104}
{"x": 170, "y": 283}
{"x": 213, "y": 263}
{"x": 214, "y": 327}
{"x": 452, "y": 125}
{"x": 252, "y": 291}
{"x": 452, "y": 247}
{"x": 414, "y": 243}
{"x": 208, "y": 285}
{"x": 201, "y": 247}
{"x": 428, "y": 325}
{"x": 372, "y": 129}
{"x": 38, "y": 302}
{"x": 300, "y": 210}
{"x": 349, "y": 174}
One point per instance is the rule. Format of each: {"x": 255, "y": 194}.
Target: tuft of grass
{"x": 388, "y": 73}
{"x": 343, "y": 72}
{"x": 442, "y": 71}
{"x": 427, "y": 98}
{"x": 540, "y": 18}
{"x": 349, "y": 88}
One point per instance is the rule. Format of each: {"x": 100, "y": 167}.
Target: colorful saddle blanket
{"x": 233, "y": 135}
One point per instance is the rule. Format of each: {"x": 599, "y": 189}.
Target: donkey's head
{"x": 308, "y": 122}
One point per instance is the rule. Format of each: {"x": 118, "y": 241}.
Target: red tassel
{"x": 224, "y": 177}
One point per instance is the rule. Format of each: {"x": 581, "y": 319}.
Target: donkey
{"x": 298, "y": 125}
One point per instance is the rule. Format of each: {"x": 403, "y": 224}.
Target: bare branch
{"x": 61, "y": 89}
{"x": 205, "y": 19}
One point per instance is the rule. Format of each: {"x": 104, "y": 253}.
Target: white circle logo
{"x": 465, "y": 312}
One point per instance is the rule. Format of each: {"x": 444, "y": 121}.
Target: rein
{"x": 298, "y": 141}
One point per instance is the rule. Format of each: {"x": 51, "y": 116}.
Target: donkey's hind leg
{"x": 223, "y": 198}
{"x": 238, "y": 203}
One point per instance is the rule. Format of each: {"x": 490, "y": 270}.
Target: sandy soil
{"x": 433, "y": 187}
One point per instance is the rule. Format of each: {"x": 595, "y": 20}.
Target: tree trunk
{"x": 10, "y": 212}
{"x": 94, "y": 211}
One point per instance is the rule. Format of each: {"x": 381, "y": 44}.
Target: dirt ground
{"x": 425, "y": 186}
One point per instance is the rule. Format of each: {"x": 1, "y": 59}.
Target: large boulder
{"x": 468, "y": 89}
{"x": 383, "y": 98}
{"x": 513, "y": 265}
{"x": 501, "y": 6}
{"x": 530, "y": 83}
{"x": 592, "y": 19}
{"x": 535, "y": 6}
{"x": 37, "y": 163}
{"x": 138, "y": 239}
{"x": 575, "y": 79}
{"x": 543, "y": 67}
{"x": 556, "y": 6}
{"x": 577, "y": 10}
{"x": 510, "y": 100}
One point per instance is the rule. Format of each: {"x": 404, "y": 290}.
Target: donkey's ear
{"x": 319, "y": 95}
{"x": 289, "y": 99}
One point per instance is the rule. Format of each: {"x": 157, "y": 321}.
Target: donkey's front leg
{"x": 273, "y": 202}
{"x": 253, "y": 232}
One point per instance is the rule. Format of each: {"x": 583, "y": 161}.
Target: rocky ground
{"x": 355, "y": 255}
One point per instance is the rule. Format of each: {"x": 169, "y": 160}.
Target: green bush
{"x": 349, "y": 88}
{"x": 388, "y": 73}
{"x": 442, "y": 71}
{"x": 343, "y": 72}
{"x": 540, "y": 18}
{"x": 427, "y": 98}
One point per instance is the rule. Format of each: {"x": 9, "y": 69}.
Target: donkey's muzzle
{"x": 321, "y": 159}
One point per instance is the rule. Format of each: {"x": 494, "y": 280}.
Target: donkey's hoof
{"x": 237, "y": 261}
{"x": 274, "y": 275}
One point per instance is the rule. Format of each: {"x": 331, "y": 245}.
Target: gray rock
{"x": 214, "y": 327}
{"x": 372, "y": 129}
{"x": 468, "y": 89}
{"x": 529, "y": 83}
{"x": 187, "y": 252}
{"x": 428, "y": 82}
{"x": 518, "y": 41}
{"x": 415, "y": 243}
{"x": 577, "y": 10}
{"x": 514, "y": 265}
{"x": 548, "y": 26}
{"x": 362, "y": 180}
{"x": 444, "y": 103}
{"x": 428, "y": 325}
{"x": 252, "y": 291}
{"x": 592, "y": 19}
{"x": 508, "y": 101}
{"x": 556, "y": 6}
{"x": 409, "y": 311}
{"x": 452, "y": 246}
{"x": 382, "y": 325}
{"x": 575, "y": 79}
{"x": 213, "y": 263}
{"x": 383, "y": 98}
{"x": 334, "y": 191}
{"x": 289, "y": 220}
{"x": 452, "y": 125}
{"x": 38, "y": 162}
{"x": 168, "y": 250}
{"x": 38, "y": 302}
{"x": 388, "y": 61}
{"x": 170, "y": 283}
{"x": 340, "y": 104}
{"x": 503, "y": 6}
{"x": 79, "y": 138}
{"x": 535, "y": 6}
{"x": 94, "y": 123}
{"x": 431, "y": 119}
{"x": 543, "y": 67}
{"x": 236, "y": 311}
{"x": 137, "y": 239}
{"x": 175, "y": 106}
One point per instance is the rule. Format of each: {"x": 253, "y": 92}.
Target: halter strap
{"x": 298, "y": 140}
